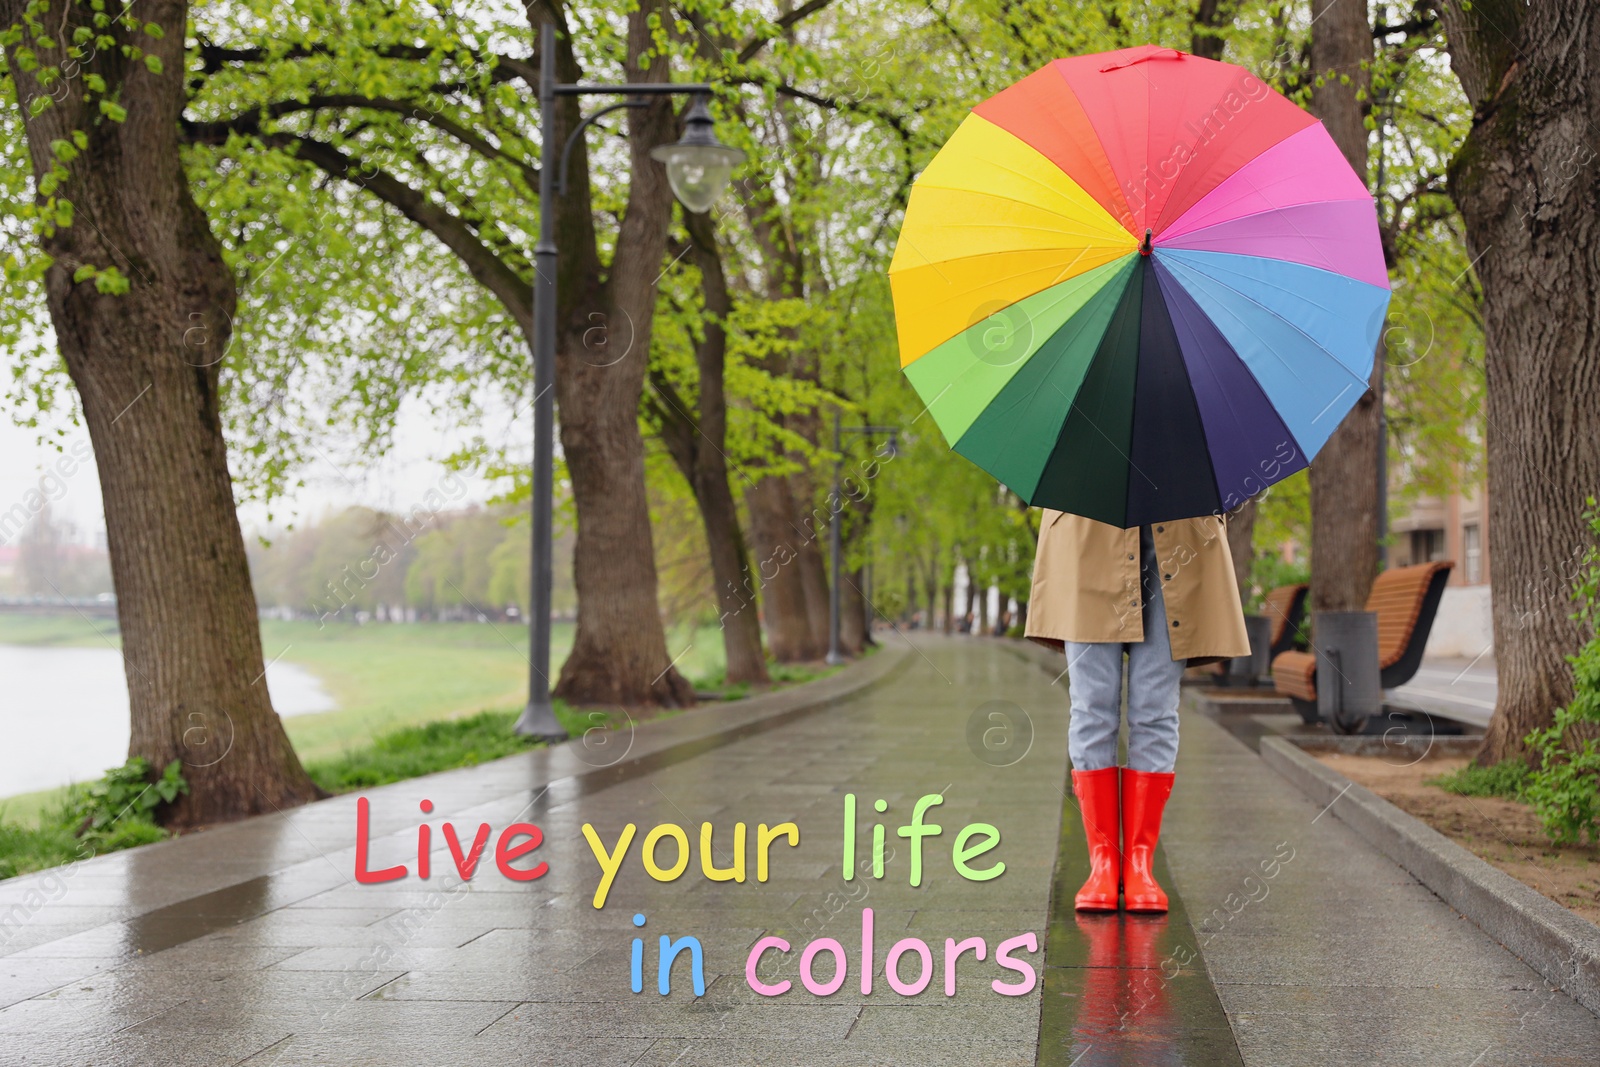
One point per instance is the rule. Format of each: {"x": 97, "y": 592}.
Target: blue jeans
{"x": 1095, "y": 676}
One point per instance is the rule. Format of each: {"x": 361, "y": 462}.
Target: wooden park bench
{"x": 1405, "y": 599}
{"x": 1285, "y": 608}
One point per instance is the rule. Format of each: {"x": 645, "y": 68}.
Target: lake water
{"x": 64, "y": 712}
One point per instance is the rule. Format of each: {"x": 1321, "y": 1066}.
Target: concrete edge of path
{"x": 1561, "y": 946}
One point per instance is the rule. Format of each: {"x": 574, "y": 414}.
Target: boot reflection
{"x": 1125, "y": 1014}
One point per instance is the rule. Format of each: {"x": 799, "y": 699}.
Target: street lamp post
{"x": 835, "y": 654}
{"x": 698, "y": 169}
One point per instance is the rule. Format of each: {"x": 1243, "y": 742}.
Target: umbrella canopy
{"x": 1139, "y": 286}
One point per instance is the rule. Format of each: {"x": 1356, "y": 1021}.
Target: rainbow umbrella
{"x": 1139, "y": 286}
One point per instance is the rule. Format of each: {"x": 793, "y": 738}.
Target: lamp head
{"x": 698, "y": 165}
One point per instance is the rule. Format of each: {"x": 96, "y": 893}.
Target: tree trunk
{"x": 146, "y": 365}
{"x": 949, "y": 607}
{"x": 696, "y": 444}
{"x": 1206, "y": 39}
{"x": 869, "y": 614}
{"x": 783, "y": 597}
{"x": 1344, "y": 476}
{"x": 811, "y": 535}
{"x": 1242, "y": 545}
{"x": 1528, "y": 186}
{"x": 853, "y": 612}
{"x": 619, "y": 655}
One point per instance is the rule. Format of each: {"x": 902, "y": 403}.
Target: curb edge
{"x": 1561, "y": 946}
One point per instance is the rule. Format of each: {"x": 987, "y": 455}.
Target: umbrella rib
{"x": 975, "y": 360}
{"x": 1275, "y": 208}
{"x": 1026, "y": 401}
{"x": 1012, "y": 277}
{"x": 1093, "y": 209}
{"x": 1072, "y": 405}
{"x": 1287, "y": 322}
{"x": 1080, "y": 251}
{"x": 1312, "y": 243}
{"x": 1163, "y": 276}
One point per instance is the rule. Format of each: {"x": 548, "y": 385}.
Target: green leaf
{"x": 153, "y": 64}
{"x": 111, "y": 282}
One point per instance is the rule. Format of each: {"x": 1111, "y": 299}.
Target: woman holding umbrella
{"x": 1137, "y": 288}
{"x": 1163, "y": 596}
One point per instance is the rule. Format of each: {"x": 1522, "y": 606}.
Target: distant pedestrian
{"x": 1163, "y": 597}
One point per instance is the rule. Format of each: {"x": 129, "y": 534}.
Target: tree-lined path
{"x": 253, "y": 944}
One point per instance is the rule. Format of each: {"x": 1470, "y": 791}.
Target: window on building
{"x": 1427, "y": 546}
{"x": 1472, "y": 550}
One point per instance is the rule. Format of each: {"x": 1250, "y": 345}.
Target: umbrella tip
{"x": 1144, "y": 249}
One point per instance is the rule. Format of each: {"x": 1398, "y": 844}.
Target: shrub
{"x": 115, "y": 812}
{"x": 1565, "y": 789}
{"x": 118, "y": 810}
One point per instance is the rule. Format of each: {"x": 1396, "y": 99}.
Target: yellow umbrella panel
{"x": 990, "y": 222}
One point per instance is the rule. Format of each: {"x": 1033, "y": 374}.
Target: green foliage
{"x": 439, "y": 561}
{"x": 1508, "y": 779}
{"x": 1268, "y": 571}
{"x": 1565, "y": 788}
{"x": 348, "y": 310}
{"x": 118, "y": 810}
{"x": 1433, "y": 339}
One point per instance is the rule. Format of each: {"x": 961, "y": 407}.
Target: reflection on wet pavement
{"x": 1124, "y": 989}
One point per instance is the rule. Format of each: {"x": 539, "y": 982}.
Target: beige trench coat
{"x": 1086, "y": 586}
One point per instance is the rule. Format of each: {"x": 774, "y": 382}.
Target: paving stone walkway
{"x": 1291, "y": 941}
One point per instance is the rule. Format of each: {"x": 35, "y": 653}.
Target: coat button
{"x": 1174, "y": 622}
{"x": 1133, "y": 603}
{"x": 1166, "y": 577}
{"x": 1160, "y": 528}
{"x": 1130, "y": 555}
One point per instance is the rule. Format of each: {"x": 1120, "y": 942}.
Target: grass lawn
{"x": 387, "y": 676}
{"x": 58, "y": 631}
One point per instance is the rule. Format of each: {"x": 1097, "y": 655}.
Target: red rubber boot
{"x": 1097, "y": 800}
{"x": 1144, "y": 799}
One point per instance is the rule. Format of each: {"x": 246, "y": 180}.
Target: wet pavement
{"x": 1290, "y": 942}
